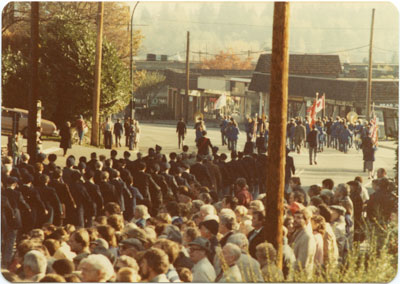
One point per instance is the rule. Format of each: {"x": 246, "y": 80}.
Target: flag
{"x": 320, "y": 104}
{"x": 316, "y": 107}
{"x": 221, "y": 102}
{"x": 373, "y": 131}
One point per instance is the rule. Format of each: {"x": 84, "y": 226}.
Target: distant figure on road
{"x": 299, "y": 136}
{"x": 80, "y": 128}
{"x": 65, "y": 134}
{"x": 181, "y": 130}
{"x": 127, "y": 124}
{"x": 200, "y": 127}
{"x": 222, "y": 127}
{"x": 118, "y": 131}
{"x": 137, "y": 134}
{"x": 368, "y": 149}
{"x": 312, "y": 140}
{"x": 108, "y": 127}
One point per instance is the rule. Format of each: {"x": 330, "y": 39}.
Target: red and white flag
{"x": 317, "y": 106}
{"x": 373, "y": 131}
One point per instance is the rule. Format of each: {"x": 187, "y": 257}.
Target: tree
{"x": 150, "y": 83}
{"x": 66, "y": 70}
{"x": 226, "y": 60}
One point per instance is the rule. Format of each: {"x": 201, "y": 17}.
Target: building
{"x": 311, "y": 74}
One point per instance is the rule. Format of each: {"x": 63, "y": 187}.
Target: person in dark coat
{"x": 382, "y": 203}
{"x": 107, "y": 190}
{"x": 130, "y": 203}
{"x": 368, "y": 149}
{"x": 203, "y": 144}
{"x": 13, "y": 220}
{"x": 127, "y": 124}
{"x": 65, "y": 133}
{"x": 201, "y": 172}
{"x": 51, "y": 200}
{"x": 181, "y": 130}
{"x": 32, "y": 197}
{"x": 289, "y": 169}
{"x": 226, "y": 179}
{"x": 94, "y": 191}
{"x": 122, "y": 189}
{"x": 258, "y": 235}
{"x": 118, "y": 131}
{"x": 84, "y": 212}
{"x": 312, "y": 140}
{"x": 65, "y": 196}
{"x": 145, "y": 183}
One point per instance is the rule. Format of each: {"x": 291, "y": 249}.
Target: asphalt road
{"x": 331, "y": 163}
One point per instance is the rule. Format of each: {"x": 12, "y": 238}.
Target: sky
{"x": 246, "y": 27}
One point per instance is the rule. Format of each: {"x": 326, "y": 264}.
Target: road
{"x": 331, "y": 163}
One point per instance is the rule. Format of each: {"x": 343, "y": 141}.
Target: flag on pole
{"x": 373, "y": 131}
{"x": 317, "y": 106}
{"x": 221, "y": 102}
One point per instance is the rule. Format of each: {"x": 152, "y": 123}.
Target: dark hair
{"x": 52, "y": 277}
{"x": 232, "y": 201}
{"x": 314, "y": 190}
{"x": 328, "y": 183}
{"x": 325, "y": 212}
{"x": 52, "y": 245}
{"x": 63, "y": 266}
{"x": 172, "y": 208}
{"x": 112, "y": 208}
{"x": 157, "y": 260}
{"x": 260, "y": 215}
{"x": 141, "y": 166}
{"x": 185, "y": 148}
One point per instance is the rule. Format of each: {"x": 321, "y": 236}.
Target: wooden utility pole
{"x": 186, "y": 111}
{"x": 277, "y": 127}
{"x": 97, "y": 77}
{"x": 34, "y": 88}
{"x": 369, "y": 84}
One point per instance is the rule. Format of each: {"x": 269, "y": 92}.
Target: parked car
{"x": 48, "y": 127}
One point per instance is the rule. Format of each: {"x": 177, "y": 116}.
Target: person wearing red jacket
{"x": 242, "y": 192}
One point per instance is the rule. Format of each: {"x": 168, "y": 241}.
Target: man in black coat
{"x": 170, "y": 179}
{"x": 51, "y": 200}
{"x": 84, "y": 212}
{"x": 226, "y": 176}
{"x": 122, "y": 189}
{"x": 65, "y": 196}
{"x": 249, "y": 165}
{"x": 236, "y": 167}
{"x": 201, "y": 173}
{"x": 181, "y": 130}
{"x": 107, "y": 190}
{"x": 167, "y": 193}
{"x": 312, "y": 140}
{"x": 94, "y": 191}
{"x": 258, "y": 235}
{"x": 32, "y": 197}
{"x": 118, "y": 131}
{"x": 13, "y": 217}
{"x": 145, "y": 183}
{"x": 24, "y": 164}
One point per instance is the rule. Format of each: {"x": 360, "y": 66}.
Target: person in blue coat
{"x": 345, "y": 135}
{"x": 234, "y": 135}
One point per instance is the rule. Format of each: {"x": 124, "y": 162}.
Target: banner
{"x": 316, "y": 107}
{"x": 221, "y": 102}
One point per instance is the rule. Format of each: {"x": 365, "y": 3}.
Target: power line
{"x": 385, "y": 49}
{"x": 265, "y": 26}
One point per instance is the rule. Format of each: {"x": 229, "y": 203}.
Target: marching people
{"x": 299, "y": 136}
{"x": 181, "y": 130}
{"x": 174, "y": 219}
{"x": 312, "y": 140}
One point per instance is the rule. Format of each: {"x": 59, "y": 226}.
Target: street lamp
{"x": 131, "y": 62}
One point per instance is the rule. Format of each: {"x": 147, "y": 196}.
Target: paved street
{"x": 331, "y": 163}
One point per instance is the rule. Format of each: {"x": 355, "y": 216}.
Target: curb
{"x": 387, "y": 147}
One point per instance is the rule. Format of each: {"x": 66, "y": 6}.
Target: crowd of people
{"x": 181, "y": 217}
{"x": 130, "y": 128}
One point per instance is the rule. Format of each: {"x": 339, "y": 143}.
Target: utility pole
{"x": 187, "y": 79}
{"x": 34, "y": 88}
{"x": 277, "y": 127}
{"x": 369, "y": 83}
{"x": 97, "y": 77}
{"x": 131, "y": 62}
